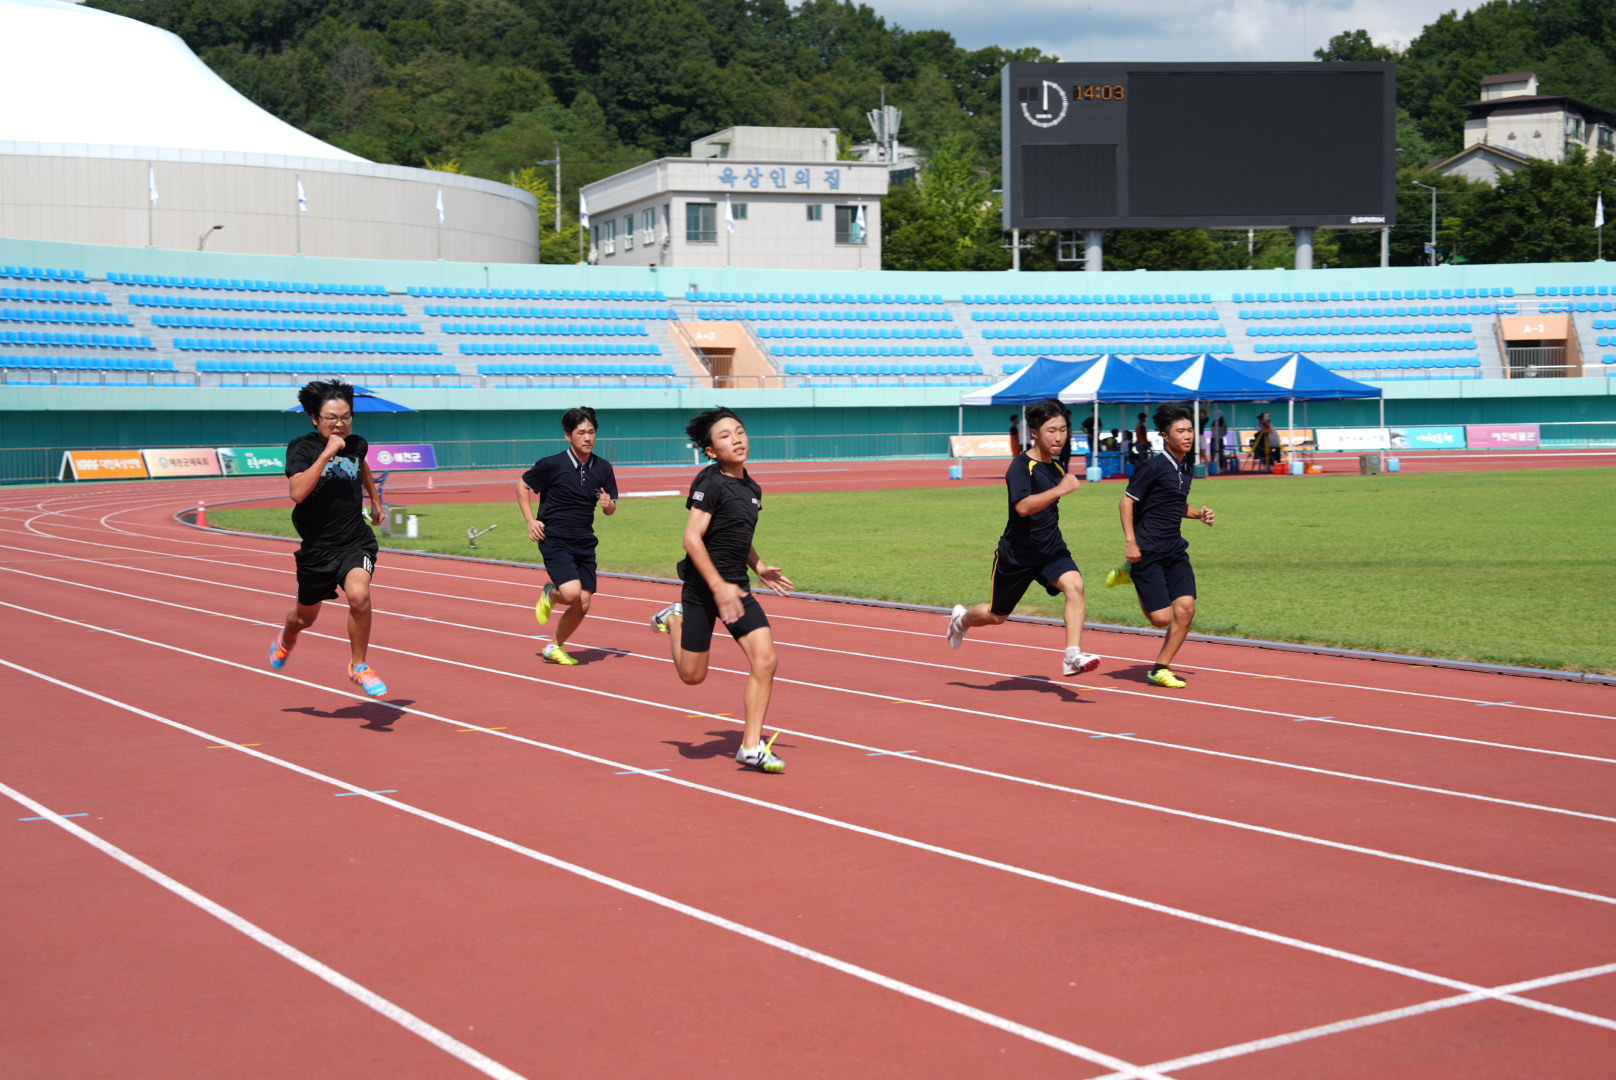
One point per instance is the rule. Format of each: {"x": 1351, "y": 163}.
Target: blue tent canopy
{"x": 367, "y": 401}
{"x": 1043, "y": 378}
{"x": 1296, "y": 378}
{"x": 1112, "y": 378}
{"x": 1207, "y": 378}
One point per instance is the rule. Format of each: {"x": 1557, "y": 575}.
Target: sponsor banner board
{"x": 190, "y": 461}
{"x": 104, "y": 465}
{"x": 387, "y": 457}
{"x": 1289, "y": 438}
{"x": 253, "y": 460}
{"x": 1354, "y": 439}
{"x": 974, "y": 446}
{"x": 1491, "y": 436}
{"x": 1428, "y": 438}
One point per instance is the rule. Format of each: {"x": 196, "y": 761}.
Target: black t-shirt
{"x": 1160, "y": 489}
{"x": 735, "y": 505}
{"x": 332, "y": 515}
{"x": 1027, "y": 538}
{"x": 569, "y": 491}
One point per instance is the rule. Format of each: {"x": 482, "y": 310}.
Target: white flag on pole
{"x": 583, "y": 213}
{"x": 1599, "y": 212}
{"x": 302, "y": 203}
{"x": 729, "y": 215}
{"x": 151, "y": 183}
{"x": 859, "y": 227}
{"x": 440, "y": 206}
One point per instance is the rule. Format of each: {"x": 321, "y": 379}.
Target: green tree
{"x": 1544, "y": 213}
{"x": 1354, "y": 45}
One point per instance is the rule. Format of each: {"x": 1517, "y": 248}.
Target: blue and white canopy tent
{"x": 1207, "y": 378}
{"x": 1294, "y": 377}
{"x": 367, "y": 401}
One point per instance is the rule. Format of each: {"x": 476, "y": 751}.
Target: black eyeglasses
{"x": 336, "y": 419}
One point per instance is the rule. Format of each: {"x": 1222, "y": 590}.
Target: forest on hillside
{"x": 493, "y": 87}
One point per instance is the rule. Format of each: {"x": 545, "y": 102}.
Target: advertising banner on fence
{"x": 1354, "y": 439}
{"x": 1428, "y": 438}
{"x": 192, "y": 461}
{"x": 979, "y": 446}
{"x": 253, "y": 460}
{"x": 102, "y": 465}
{"x": 1490, "y": 436}
{"x": 384, "y": 457}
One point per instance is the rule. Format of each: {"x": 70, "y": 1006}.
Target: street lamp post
{"x": 556, "y": 161}
{"x": 202, "y": 237}
{"x": 1432, "y": 190}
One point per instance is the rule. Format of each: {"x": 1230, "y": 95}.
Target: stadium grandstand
{"x": 123, "y": 325}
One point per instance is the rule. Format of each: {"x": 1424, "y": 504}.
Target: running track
{"x": 1298, "y": 867}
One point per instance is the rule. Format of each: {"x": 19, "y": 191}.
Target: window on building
{"x": 816, "y": 212}
{"x": 741, "y": 210}
{"x": 1607, "y": 138}
{"x": 608, "y": 238}
{"x": 628, "y": 233}
{"x": 1069, "y": 249}
{"x": 648, "y": 227}
{"x": 701, "y": 223}
{"x": 850, "y": 228}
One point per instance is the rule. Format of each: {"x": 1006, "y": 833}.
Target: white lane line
{"x": 914, "y": 663}
{"x": 869, "y": 750}
{"x": 777, "y": 616}
{"x": 360, "y": 993}
{"x": 762, "y": 937}
{"x": 1357, "y": 777}
{"x": 1358, "y": 1022}
{"x": 837, "y": 823}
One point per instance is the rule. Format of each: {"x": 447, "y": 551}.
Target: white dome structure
{"x": 119, "y": 134}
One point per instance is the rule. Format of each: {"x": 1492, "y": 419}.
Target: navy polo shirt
{"x": 569, "y": 491}
{"x": 1160, "y": 489}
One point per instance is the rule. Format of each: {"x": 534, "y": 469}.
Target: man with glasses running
{"x": 329, "y": 480}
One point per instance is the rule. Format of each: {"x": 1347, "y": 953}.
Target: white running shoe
{"x": 659, "y": 621}
{"x": 1079, "y": 662}
{"x": 956, "y": 629}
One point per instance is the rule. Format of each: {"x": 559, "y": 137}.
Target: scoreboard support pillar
{"x": 1093, "y": 249}
{"x": 1304, "y": 246}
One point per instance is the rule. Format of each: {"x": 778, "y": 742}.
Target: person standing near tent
{"x": 1015, "y": 435}
{"x": 328, "y": 479}
{"x": 1032, "y": 548}
{"x": 1153, "y": 509}
{"x": 1265, "y": 444}
{"x": 569, "y": 485}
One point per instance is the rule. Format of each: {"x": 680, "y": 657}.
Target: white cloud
{"x": 1169, "y": 30}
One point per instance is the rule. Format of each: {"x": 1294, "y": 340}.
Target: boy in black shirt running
{"x": 724, "y": 506}
{"x": 1032, "y": 548}
{"x": 328, "y": 478}
{"x": 569, "y": 485}
{"x": 1153, "y": 510}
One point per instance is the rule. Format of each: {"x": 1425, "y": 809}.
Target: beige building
{"x": 1513, "y": 125}
{"x": 762, "y": 198}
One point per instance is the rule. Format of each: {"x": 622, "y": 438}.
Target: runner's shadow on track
{"x": 377, "y": 715}
{"x": 724, "y": 744}
{"x": 1043, "y": 684}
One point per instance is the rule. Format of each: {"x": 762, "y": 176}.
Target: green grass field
{"x": 1501, "y": 567}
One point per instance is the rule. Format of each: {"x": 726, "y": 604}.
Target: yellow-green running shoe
{"x": 557, "y": 655}
{"x": 1165, "y": 677}
{"x": 545, "y": 605}
{"x": 1122, "y": 575}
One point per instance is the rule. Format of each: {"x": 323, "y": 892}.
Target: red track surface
{"x": 973, "y": 867}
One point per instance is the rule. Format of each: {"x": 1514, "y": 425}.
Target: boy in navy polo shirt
{"x": 1153, "y": 509}
{"x": 724, "y": 505}
{"x": 569, "y": 485}
{"x": 1032, "y": 548}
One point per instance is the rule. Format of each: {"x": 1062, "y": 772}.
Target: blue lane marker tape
{"x": 1299, "y": 719}
{"x": 1111, "y": 735}
{"x": 47, "y": 819}
{"x": 637, "y": 772}
{"x": 1485, "y": 704}
{"x": 883, "y": 753}
{"x": 383, "y": 791}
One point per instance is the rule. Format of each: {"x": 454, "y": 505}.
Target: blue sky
{"x": 1164, "y": 30}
